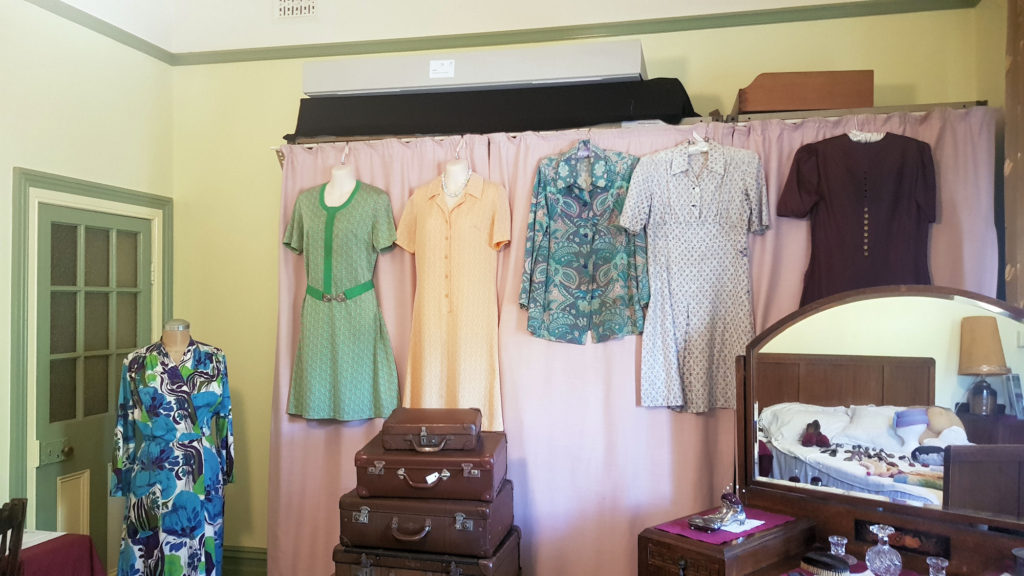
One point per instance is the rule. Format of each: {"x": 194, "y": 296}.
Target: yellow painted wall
{"x": 226, "y": 206}
{"x": 990, "y": 55}
{"x": 77, "y": 104}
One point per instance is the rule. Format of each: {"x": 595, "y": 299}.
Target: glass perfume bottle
{"x": 937, "y": 566}
{"x": 838, "y": 545}
{"x": 881, "y": 559}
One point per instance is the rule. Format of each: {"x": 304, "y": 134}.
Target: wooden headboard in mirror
{"x": 887, "y": 346}
{"x": 834, "y": 380}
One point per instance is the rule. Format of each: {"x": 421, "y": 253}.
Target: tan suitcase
{"x": 431, "y": 429}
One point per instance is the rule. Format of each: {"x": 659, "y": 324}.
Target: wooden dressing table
{"x": 767, "y": 553}
{"x": 975, "y": 542}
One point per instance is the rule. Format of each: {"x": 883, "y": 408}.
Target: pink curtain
{"x": 591, "y": 468}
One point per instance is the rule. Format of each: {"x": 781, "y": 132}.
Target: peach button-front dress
{"x": 453, "y": 351}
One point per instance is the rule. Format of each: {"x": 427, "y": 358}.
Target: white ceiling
{"x": 190, "y": 26}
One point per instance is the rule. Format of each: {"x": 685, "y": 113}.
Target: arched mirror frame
{"x": 975, "y": 539}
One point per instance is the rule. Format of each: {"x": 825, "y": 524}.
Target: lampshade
{"x": 981, "y": 350}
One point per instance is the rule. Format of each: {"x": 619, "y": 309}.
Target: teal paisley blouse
{"x": 583, "y": 272}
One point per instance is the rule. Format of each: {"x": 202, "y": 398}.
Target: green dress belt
{"x": 357, "y": 290}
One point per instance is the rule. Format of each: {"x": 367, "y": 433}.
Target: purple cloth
{"x": 910, "y": 417}
{"x": 681, "y": 527}
{"x": 66, "y": 555}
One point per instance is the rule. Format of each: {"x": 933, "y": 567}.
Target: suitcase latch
{"x": 377, "y": 469}
{"x": 455, "y": 570}
{"x": 469, "y": 472}
{"x": 361, "y": 517}
{"x": 365, "y": 566}
{"x": 427, "y": 439}
{"x": 461, "y": 523}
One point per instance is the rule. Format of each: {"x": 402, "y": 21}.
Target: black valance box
{"x": 483, "y": 111}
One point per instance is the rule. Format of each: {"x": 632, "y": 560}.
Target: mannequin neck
{"x": 456, "y": 176}
{"x": 341, "y": 185}
{"x": 175, "y": 342}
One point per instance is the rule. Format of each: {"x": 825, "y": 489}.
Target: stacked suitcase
{"x": 431, "y": 498}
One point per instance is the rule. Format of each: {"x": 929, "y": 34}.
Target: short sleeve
{"x": 926, "y": 188}
{"x": 636, "y": 211}
{"x": 383, "y": 224}
{"x": 407, "y": 226}
{"x": 501, "y": 225}
{"x": 294, "y": 234}
{"x": 801, "y": 191}
{"x": 758, "y": 215}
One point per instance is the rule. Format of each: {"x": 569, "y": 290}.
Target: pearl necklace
{"x": 444, "y": 185}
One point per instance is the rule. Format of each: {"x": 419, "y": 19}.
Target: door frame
{"x": 32, "y": 188}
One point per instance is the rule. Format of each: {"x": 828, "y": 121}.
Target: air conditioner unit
{"x": 515, "y": 67}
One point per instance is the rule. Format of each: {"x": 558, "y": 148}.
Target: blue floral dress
{"x": 173, "y": 454}
{"x": 583, "y": 272}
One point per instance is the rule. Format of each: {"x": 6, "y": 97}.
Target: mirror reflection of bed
{"x": 852, "y": 363}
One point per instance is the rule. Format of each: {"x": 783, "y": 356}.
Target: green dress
{"x": 344, "y": 367}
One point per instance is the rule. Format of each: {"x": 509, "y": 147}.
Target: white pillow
{"x": 871, "y": 426}
{"x": 788, "y": 421}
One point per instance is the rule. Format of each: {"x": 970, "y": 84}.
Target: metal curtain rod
{"x": 714, "y": 116}
{"x": 835, "y": 113}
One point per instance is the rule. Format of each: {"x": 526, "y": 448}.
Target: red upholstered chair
{"x": 12, "y": 527}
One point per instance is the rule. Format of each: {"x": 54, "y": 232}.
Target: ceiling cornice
{"x": 485, "y": 39}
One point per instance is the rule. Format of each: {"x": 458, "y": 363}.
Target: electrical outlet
{"x": 1020, "y": 338}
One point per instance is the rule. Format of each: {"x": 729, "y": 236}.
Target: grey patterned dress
{"x": 697, "y": 210}
{"x": 344, "y": 367}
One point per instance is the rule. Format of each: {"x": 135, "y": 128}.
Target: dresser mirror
{"x": 888, "y": 347}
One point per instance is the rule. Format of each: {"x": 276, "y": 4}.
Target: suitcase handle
{"x": 408, "y": 537}
{"x": 436, "y": 477}
{"x": 437, "y": 448}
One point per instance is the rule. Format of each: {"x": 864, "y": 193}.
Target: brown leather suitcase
{"x": 457, "y": 527}
{"x": 351, "y": 561}
{"x": 457, "y": 474}
{"x": 431, "y": 429}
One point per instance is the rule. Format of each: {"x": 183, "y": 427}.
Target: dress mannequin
{"x": 175, "y": 338}
{"x": 453, "y": 181}
{"x": 341, "y": 185}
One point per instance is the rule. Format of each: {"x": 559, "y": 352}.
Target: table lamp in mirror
{"x": 981, "y": 354}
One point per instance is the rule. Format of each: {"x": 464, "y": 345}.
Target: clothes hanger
{"x": 696, "y": 144}
{"x": 459, "y": 151}
{"x": 863, "y": 137}
{"x": 453, "y": 167}
{"x": 342, "y": 169}
{"x": 583, "y": 151}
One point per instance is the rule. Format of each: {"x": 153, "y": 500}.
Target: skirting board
{"x": 244, "y": 561}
